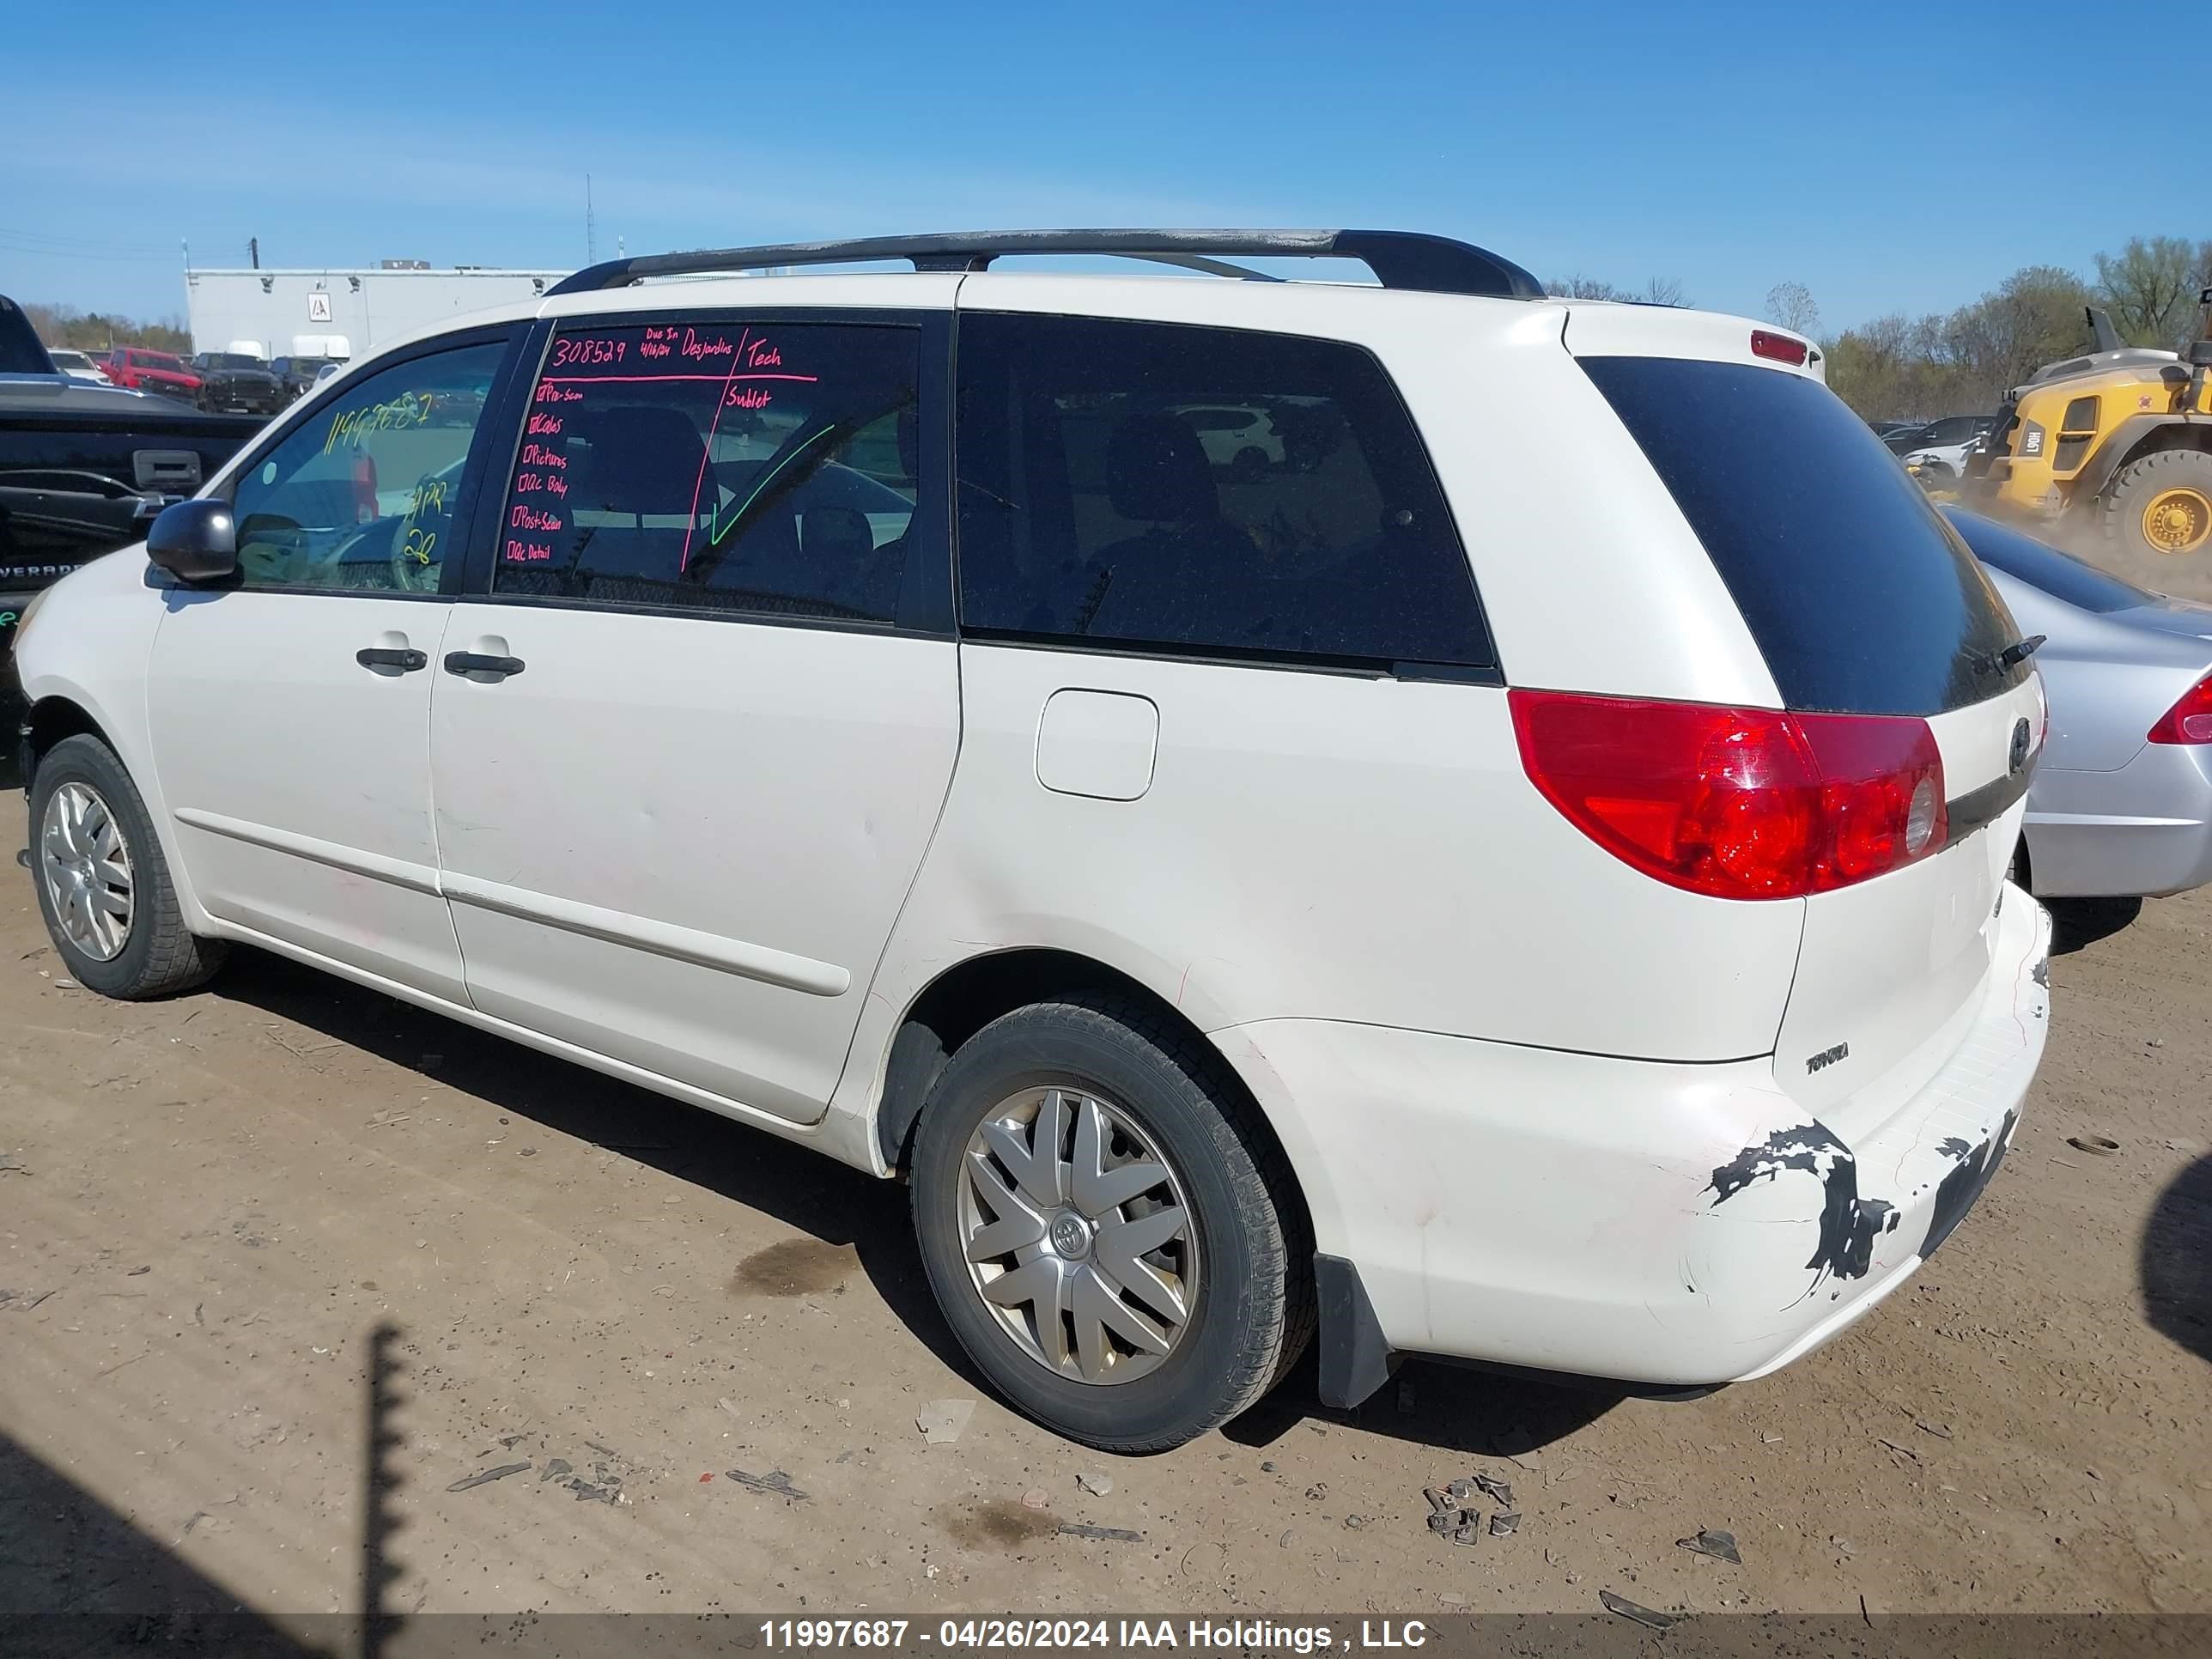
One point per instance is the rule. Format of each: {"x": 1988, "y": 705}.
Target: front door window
{"x": 362, "y": 496}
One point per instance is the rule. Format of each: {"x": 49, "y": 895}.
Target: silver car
{"x": 2121, "y": 803}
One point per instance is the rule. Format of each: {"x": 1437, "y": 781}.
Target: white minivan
{"x": 1498, "y": 875}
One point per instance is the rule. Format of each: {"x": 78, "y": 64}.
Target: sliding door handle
{"x": 475, "y": 662}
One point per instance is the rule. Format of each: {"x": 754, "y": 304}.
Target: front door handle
{"x": 475, "y": 662}
{"x": 385, "y": 656}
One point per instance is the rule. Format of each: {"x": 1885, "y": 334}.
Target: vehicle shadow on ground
{"x": 2076, "y": 923}
{"x": 837, "y": 1206}
{"x": 1436, "y": 1405}
{"x": 2175, "y": 1263}
{"x": 1452, "y": 1408}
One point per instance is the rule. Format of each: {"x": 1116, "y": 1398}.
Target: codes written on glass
{"x": 611, "y": 392}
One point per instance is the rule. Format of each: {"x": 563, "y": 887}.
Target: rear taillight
{"x": 1737, "y": 803}
{"x": 365, "y": 507}
{"x": 2189, "y": 721}
{"x": 1782, "y": 347}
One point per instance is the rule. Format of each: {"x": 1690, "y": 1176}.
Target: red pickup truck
{"x": 151, "y": 371}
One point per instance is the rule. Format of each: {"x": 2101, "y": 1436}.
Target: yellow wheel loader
{"x": 2115, "y": 447}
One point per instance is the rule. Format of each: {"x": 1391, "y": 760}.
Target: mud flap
{"x": 1355, "y": 1357}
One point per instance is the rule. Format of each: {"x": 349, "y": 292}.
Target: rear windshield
{"x": 2040, "y": 566}
{"x": 1860, "y": 597}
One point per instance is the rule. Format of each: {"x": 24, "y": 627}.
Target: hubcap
{"x": 87, "y": 870}
{"x": 2177, "y": 520}
{"x": 1078, "y": 1235}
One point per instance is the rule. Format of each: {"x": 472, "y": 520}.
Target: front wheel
{"x": 1111, "y": 1237}
{"x": 2160, "y": 509}
{"x": 103, "y": 885}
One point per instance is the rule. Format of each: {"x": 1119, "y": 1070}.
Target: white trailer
{"x": 341, "y": 312}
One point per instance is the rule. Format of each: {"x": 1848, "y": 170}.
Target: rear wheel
{"x": 1111, "y": 1236}
{"x": 103, "y": 887}
{"x": 2159, "y": 508}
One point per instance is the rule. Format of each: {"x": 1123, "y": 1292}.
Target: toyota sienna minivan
{"x": 1489, "y": 872}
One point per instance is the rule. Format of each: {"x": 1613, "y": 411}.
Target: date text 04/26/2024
{"x": 1110, "y": 1635}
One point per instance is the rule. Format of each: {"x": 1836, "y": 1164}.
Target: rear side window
{"x": 718, "y": 466}
{"x": 1861, "y": 599}
{"x": 2061, "y": 575}
{"x": 1201, "y": 491}
{"x": 1955, "y": 431}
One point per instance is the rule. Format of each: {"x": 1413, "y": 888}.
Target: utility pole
{"x": 591, "y": 230}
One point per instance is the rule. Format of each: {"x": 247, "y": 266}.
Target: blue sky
{"x": 1888, "y": 160}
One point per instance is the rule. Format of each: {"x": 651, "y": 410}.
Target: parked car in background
{"x": 2122, "y": 802}
{"x": 297, "y": 374}
{"x": 142, "y": 370}
{"x": 1940, "y": 448}
{"x": 84, "y": 469}
{"x": 1243, "y": 440}
{"x": 1885, "y": 430}
{"x": 1232, "y": 944}
{"x": 232, "y": 381}
{"x": 77, "y": 366}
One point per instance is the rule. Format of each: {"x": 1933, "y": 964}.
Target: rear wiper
{"x": 2012, "y": 656}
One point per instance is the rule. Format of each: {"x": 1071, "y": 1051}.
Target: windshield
{"x": 233, "y": 360}
{"x": 2061, "y": 575}
{"x": 1861, "y": 599}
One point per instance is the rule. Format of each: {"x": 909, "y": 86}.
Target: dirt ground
{"x": 219, "y": 1214}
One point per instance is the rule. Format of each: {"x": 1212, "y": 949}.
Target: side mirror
{"x": 194, "y": 541}
{"x": 2199, "y": 352}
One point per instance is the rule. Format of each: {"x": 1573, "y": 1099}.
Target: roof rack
{"x": 1399, "y": 259}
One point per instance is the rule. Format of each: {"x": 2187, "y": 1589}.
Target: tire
{"x": 147, "y": 951}
{"x": 2180, "y": 478}
{"x": 1241, "y": 1260}
{"x": 1250, "y": 465}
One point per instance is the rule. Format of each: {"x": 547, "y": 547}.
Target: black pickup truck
{"x": 84, "y": 469}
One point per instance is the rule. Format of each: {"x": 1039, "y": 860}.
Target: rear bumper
{"x": 1672, "y": 1224}
{"x": 2145, "y": 829}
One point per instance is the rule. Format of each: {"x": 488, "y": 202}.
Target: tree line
{"x": 1964, "y": 363}
{"x": 96, "y": 331}
{"x": 1896, "y": 366}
